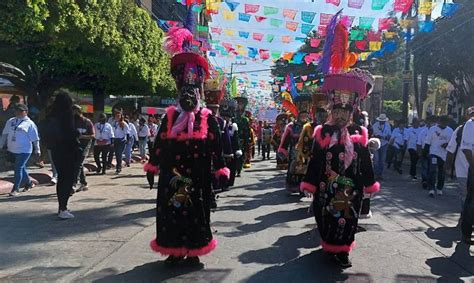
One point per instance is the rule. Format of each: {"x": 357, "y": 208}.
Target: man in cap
{"x": 20, "y": 134}
{"x": 382, "y": 130}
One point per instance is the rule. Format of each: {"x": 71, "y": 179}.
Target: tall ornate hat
{"x": 214, "y": 90}
{"x": 227, "y": 107}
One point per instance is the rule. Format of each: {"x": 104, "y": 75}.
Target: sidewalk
{"x": 264, "y": 235}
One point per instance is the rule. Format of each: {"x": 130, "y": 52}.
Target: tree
{"x": 111, "y": 47}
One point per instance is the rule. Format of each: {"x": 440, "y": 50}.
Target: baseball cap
{"x": 470, "y": 110}
{"x": 21, "y": 107}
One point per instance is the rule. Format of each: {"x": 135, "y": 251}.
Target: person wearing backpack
{"x": 467, "y": 146}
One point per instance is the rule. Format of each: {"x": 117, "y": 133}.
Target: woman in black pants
{"x": 65, "y": 149}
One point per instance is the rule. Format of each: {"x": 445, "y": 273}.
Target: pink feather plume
{"x": 176, "y": 40}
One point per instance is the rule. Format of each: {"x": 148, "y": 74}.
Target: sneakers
{"x": 82, "y": 188}
{"x": 432, "y": 193}
{"x": 343, "y": 260}
{"x": 65, "y": 214}
{"x": 366, "y": 216}
{"x": 29, "y": 187}
{"x": 54, "y": 180}
{"x": 439, "y": 192}
{"x": 14, "y": 193}
{"x": 414, "y": 178}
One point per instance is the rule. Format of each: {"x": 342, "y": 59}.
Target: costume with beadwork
{"x": 279, "y": 129}
{"x": 340, "y": 170}
{"x": 187, "y": 148}
{"x": 243, "y": 124}
{"x": 227, "y": 111}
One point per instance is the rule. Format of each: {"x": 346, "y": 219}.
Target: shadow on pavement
{"x": 40, "y": 274}
{"x": 158, "y": 272}
{"x": 314, "y": 267}
{"x": 266, "y": 199}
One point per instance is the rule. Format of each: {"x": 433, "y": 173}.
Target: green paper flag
{"x": 276, "y": 55}
{"x": 366, "y": 22}
{"x": 378, "y": 4}
{"x": 270, "y": 37}
{"x": 356, "y": 34}
{"x": 202, "y": 28}
{"x": 276, "y": 22}
{"x": 270, "y": 11}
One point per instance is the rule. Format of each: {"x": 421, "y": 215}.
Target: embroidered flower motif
{"x": 328, "y": 156}
{"x": 342, "y": 156}
{"x": 342, "y": 222}
{"x": 355, "y": 155}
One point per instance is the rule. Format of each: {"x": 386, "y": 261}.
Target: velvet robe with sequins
{"x": 288, "y": 148}
{"x": 337, "y": 206}
{"x": 185, "y": 230}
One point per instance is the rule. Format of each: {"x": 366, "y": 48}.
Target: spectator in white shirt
{"x": 397, "y": 140}
{"x": 143, "y": 134}
{"x": 104, "y": 135}
{"x": 382, "y": 130}
{"x": 153, "y": 127}
{"x": 133, "y": 136}
{"x": 420, "y": 146}
{"x": 411, "y": 138}
{"x": 20, "y": 134}
{"x": 121, "y": 135}
{"x": 437, "y": 140}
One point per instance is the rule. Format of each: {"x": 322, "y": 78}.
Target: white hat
{"x": 382, "y": 117}
{"x": 470, "y": 110}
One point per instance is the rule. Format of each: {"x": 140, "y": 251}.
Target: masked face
{"x": 188, "y": 98}
{"x": 304, "y": 117}
{"x": 341, "y": 117}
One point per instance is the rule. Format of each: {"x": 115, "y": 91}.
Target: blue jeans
{"x": 436, "y": 173}
{"x": 142, "y": 142}
{"x": 21, "y": 175}
{"x": 53, "y": 167}
{"x": 425, "y": 165}
{"x": 119, "y": 146}
{"x": 379, "y": 159}
{"x": 128, "y": 150}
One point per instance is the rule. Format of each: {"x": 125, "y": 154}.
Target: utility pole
{"x": 232, "y": 72}
{"x": 406, "y": 68}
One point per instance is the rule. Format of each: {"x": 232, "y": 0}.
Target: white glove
{"x": 308, "y": 194}
{"x": 238, "y": 153}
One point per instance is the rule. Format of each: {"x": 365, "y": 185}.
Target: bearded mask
{"x": 188, "y": 97}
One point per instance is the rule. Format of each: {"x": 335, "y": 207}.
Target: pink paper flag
{"x": 334, "y": 2}
{"x": 260, "y": 18}
{"x": 286, "y": 39}
{"x": 322, "y": 30}
{"x": 315, "y": 42}
{"x": 293, "y": 26}
{"x": 356, "y": 4}
{"x": 325, "y": 19}
{"x": 257, "y": 36}
{"x": 250, "y": 8}
{"x": 216, "y": 30}
{"x": 402, "y": 5}
{"x": 374, "y": 36}
{"x": 361, "y": 45}
{"x": 304, "y": 78}
{"x": 264, "y": 54}
{"x": 288, "y": 13}
{"x": 385, "y": 23}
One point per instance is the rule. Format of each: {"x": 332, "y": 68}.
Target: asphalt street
{"x": 264, "y": 234}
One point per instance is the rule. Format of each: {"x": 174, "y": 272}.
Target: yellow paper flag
{"x": 375, "y": 45}
{"x": 389, "y": 34}
{"x": 364, "y": 55}
{"x": 425, "y": 8}
{"x": 229, "y": 32}
{"x": 228, "y": 15}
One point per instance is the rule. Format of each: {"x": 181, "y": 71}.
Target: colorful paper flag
{"x": 356, "y": 4}
{"x": 315, "y": 42}
{"x": 356, "y": 34}
{"x": 306, "y": 28}
{"x": 307, "y": 17}
{"x": 366, "y": 22}
{"x": 402, "y": 5}
{"x": 385, "y": 23}
{"x": 389, "y": 34}
{"x": 270, "y": 37}
{"x": 264, "y": 54}
{"x": 322, "y": 30}
{"x": 378, "y": 4}
{"x": 250, "y": 8}
{"x": 228, "y": 15}
{"x": 298, "y": 57}
{"x": 276, "y": 55}
{"x": 260, "y": 18}
{"x": 290, "y": 14}
{"x": 257, "y": 36}
{"x": 325, "y": 19}
{"x": 449, "y": 9}
{"x": 252, "y": 52}
{"x": 286, "y": 39}
{"x": 270, "y": 10}
{"x": 200, "y": 28}
{"x": 407, "y": 23}
{"x": 288, "y": 56}
{"x": 276, "y": 22}
{"x": 426, "y": 26}
{"x": 293, "y": 26}
{"x": 216, "y": 30}
{"x": 229, "y": 32}
{"x": 300, "y": 39}
{"x": 361, "y": 45}
{"x": 244, "y": 34}
{"x": 375, "y": 45}
{"x": 232, "y": 5}
{"x": 334, "y": 2}
{"x": 425, "y": 8}
{"x": 244, "y": 17}
{"x": 374, "y": 36}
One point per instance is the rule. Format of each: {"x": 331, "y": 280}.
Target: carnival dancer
{"x": 243, "y": 124}
{"x": 187, "y": 147}
{"x": 280, "y": 123}
{"x": 340, "y": 170}
{"x": 227, "y": 111}
{"x": 287, "y": 149}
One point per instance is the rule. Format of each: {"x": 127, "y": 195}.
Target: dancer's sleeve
{"x": 221, "y": 173}
{"x": 285, "y": 140}
{"x": 315, "y": 169}
{"x": 368, "y": 178}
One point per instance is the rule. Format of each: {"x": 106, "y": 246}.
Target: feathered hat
{"x": 214, "y": 90}
{"x": 188, "y": 67}
{"x": 344, "y": 88}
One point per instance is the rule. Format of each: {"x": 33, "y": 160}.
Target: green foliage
{"x": 393, "y": 109}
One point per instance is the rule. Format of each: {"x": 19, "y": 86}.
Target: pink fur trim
{"x": 222, "y": 172}
{"x": 375, "y": 188}
{"x": 182, "y": 251}
{"x": 362, "y": 139}
{"x": 283, "y": 151}
{"x": 305, "y": 186}
{"x": 323, "y": 142}
{"x": 286, "y": 133}
{"x": 337, "y": 248}
{"x": 199, "y": 135}
{"x": 151, "y": 168}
